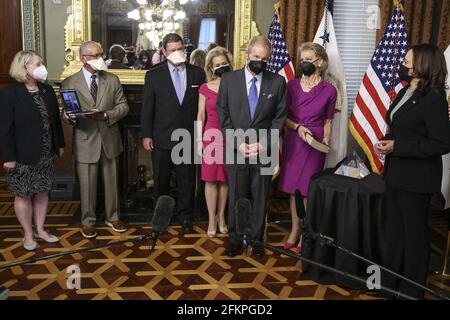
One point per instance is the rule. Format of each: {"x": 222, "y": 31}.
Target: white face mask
{"x": 125, "y": 60}
{"x": 98, "y": 64}
{"x": 177, "y": 58}
{"x": 40, "y": 73}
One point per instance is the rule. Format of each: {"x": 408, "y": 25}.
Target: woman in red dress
{"x": 210, "y": 144}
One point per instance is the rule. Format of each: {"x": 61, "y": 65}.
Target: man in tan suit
{"x": 96, "y": 139}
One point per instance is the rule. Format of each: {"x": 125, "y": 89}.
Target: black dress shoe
{"x": 234, "y": 250}
{"x": 258, "y": 252}
{"x": 187, "y": 226}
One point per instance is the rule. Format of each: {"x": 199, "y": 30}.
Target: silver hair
{"x": 87, "y": 44}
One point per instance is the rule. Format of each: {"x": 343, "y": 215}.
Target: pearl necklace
{"x": 310, "y": 86}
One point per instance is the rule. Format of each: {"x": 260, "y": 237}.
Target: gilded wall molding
{"x": 78, "y": 29}
{"x": 244, "y": 29}
{"x": 31, "y": 25}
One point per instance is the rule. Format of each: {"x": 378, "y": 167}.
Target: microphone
{"x": 243, "y": 211}
{"x": 164, "y": 211}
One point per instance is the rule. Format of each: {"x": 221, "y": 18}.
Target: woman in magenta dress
{"x": 311, "y": 103}
{"x": 210, "y": 145}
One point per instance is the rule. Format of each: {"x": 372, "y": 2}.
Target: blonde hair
{"x": 259, "y": 40}
{"x": 22, "y": 59}
{"x": 214, "y": 53}
{"x": 320, "y": 53}
{"x": 198, "y": 57}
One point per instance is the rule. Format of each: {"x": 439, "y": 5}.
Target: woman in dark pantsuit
{"x": 418, "y": 135}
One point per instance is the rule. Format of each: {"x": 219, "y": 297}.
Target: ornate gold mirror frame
{"x": 78, "y": 30}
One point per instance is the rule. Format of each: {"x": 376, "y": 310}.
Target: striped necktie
{"x": 94, "y": 87}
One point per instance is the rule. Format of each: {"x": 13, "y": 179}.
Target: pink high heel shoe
{"x": 298, "y": 249}
{"x": 288, "y": 245}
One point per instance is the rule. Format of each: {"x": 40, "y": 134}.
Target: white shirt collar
{"x": 249, "y": 76}
{"x": 172, "y": 67}
{"x": 87, "y": 74}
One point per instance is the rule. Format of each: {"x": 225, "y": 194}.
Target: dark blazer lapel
{"x": 244, "y": 96}
{"x": 265, "y": 85}
{"x": 411, "y": 103}
{"x": 168, "y": 80}
{"x": 25, "y": 96}
{"x": 189, "y": 83}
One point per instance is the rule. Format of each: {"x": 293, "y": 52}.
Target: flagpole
{"x": 325, "y": 28}
{"x": 276, "y": 7}
{"x": 392, "y": 93}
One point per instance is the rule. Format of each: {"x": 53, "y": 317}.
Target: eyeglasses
{"x": 96, "y": 56}
{"x": 306, "y": 60}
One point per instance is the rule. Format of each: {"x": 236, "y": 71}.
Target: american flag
{"x": 279, "y": 62}
{"x": 380, "y": 86}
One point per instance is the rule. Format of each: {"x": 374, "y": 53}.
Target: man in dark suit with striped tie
{"x": 251, "y": 100}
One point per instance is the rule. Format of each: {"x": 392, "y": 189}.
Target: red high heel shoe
{"x": 298, "y": 249}
{"x": 288, "y": 245}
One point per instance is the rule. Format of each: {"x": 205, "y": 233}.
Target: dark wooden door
{"x": 11, "y": 39}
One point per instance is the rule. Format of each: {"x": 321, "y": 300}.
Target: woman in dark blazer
{"x": 418, "y": 135}
{"x": 31, "y": 137}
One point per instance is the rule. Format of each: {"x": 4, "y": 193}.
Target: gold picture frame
{"x": 78, "y": 29}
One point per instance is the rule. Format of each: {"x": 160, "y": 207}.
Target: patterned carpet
{"x": 188, "y": 267}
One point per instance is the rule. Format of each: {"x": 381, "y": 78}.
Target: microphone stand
{"x": 333, "y": 243}
{"x": 67, "y": 253}
{"x": 330, "y": 269}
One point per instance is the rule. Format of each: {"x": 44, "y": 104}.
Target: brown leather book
{"x": 316, "y": 144}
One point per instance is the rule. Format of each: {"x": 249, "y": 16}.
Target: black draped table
{"x": 350, "y": 211}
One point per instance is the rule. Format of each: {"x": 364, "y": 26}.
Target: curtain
{"x": 422, "y": 19}
{"x": 207, "y": 32}
{"x": 443, "y": 40}
{"x": 300, "y": 20}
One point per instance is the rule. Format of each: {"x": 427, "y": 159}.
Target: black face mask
{"x": 257, "y": 66}
{"x": 403, "y": 73}
{"x": 308, "y": 68}
{"x": 220, "y": 71}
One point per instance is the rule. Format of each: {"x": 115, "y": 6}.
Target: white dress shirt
{"x": 88, "y": 75}
{"x": 182, "y": 70}
{"x": 248, "y": 81}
